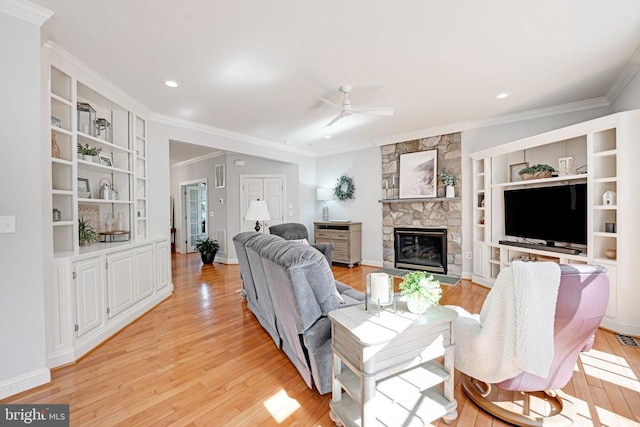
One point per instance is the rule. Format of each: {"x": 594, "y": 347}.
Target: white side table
{"x": 386, "y": 369}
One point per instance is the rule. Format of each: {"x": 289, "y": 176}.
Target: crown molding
{"x": 26, "y": 11}
{"x": 199, "y": 159}
{"x": 628, "y": 72}
{"x": 344, "y": 149}
{"x": 495, "y": 121}
{"x": 112, "y": 91}
{"x": 211, "y": 130}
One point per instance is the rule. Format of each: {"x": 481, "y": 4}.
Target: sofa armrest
{"x": 326, "y": 249}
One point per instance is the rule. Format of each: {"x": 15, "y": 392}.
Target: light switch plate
{"x": 8, "y": 224}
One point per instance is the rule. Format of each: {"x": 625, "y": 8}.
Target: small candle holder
{"x": 379, "y": 291}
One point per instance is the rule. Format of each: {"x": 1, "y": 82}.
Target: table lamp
{"x": 324, "y": 194}
{"x": 258, "y": 211}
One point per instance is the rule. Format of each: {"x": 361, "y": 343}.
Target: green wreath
{"x": 344, "y": 189}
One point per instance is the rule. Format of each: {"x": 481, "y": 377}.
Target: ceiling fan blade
{"x": 329, "y": 102}
{"x": 338, "y": 117}
{"x": 375, "y": 111}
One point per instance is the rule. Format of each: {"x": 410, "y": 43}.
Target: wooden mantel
{"x": 422, "y": 200}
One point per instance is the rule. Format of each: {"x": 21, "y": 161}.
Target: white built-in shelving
{"x": 604, "y": 150}
{"x": 95, "y": 290}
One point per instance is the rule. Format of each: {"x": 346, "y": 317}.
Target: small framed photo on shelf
{"x": 84, "y": 189}
{"x": 105, "y": 160}
{"x": 514, "y": 169}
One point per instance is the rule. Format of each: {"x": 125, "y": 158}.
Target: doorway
{"x": 270, "y": 188}
{"x": 195, "y": 208}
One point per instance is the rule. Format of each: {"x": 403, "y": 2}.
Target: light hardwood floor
{"x": 201, "y": 358}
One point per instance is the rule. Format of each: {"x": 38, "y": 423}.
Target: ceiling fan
{"x": 347, "y": 110}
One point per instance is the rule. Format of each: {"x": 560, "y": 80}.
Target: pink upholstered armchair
{"x": 582, "y": 297}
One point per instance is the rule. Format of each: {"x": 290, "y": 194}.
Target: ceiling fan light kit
{"x": 346, "y": 109}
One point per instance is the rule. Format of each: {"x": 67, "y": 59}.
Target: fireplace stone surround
{"x": 438, "y": 212}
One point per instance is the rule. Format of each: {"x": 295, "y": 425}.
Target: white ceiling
{"x": 257, "y": 68}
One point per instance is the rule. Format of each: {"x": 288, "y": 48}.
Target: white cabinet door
{"x": 58, "y": 310}
{"x": 163, "y": 265}
{"x": 119, "y": 282}
{"x": 143, "y": 258}
{"x": 88, "y": 276}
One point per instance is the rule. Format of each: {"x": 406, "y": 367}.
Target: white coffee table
{"x": 392, "y": 369}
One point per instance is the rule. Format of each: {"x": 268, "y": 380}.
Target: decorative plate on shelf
{"x": 91, "y": 214}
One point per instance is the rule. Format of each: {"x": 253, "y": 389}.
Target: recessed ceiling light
{"x": 502, "y": 95}
{"x": 327, "y": 136}
{"x": 171, "y": 83}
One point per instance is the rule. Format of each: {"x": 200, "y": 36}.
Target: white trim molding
{"x": 211, "y": 130}
{"x": 628, "y": 72}
{"x": 27, "y": 11}
{"x": 24, "y": 382}
{"x": 494, "y": 121}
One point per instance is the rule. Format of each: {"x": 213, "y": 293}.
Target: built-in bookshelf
{"x": 602, "y": 153}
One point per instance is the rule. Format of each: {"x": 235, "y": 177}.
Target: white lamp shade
{"x": 258, "y": 211}
{"x": 324, "y": 193}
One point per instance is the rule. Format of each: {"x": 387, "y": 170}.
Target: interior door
{"x": 196, "y": 214}
{"x": 267, "y": 188}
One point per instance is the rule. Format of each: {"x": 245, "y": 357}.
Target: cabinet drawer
{"x": 341, "y": 246}
{"x": 340, "y": 255}
{"x": 331, "y": 235}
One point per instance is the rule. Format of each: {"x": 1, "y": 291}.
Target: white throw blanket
{"x": 514, "y": 331}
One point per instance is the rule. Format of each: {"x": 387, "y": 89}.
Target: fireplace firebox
{"x": 421, "y": 249}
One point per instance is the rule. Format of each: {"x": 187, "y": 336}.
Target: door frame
{"x": 182, "y": 231}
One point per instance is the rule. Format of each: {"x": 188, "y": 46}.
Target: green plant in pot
{"x": 422, "y": 291}
{"x": 538, "y": 171}
{"x": 208, "y": 249}
{"x": 86, "y": 233}
{"x": 449, "y": 181}
{"x": 85, "y": 150}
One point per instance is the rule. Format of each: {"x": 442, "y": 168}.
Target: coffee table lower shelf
{"x": 429, "y": 407}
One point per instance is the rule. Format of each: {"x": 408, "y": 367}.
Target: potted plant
{"x": 208, "y": 249}
{"x": 86, "y": 233}
{"x": 538, "y": 171}
{"x": 88, "y": 153}
{"x": 421, "y": 291}
{"x": 449, "y": 181}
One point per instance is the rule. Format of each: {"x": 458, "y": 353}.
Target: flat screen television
{"x": 553, "y": 214}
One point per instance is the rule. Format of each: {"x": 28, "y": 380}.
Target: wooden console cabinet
{"x": 346, "y": 238}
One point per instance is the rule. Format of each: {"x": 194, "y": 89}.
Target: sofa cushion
{"x": 316, "y": 272}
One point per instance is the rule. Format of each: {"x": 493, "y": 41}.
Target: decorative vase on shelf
{"x": 87, "y": 158}
{"x": 120, "y": 222}
{"x": 55, "y": 148}
{"x": 110, "y": 222}
{"x": 610, "y": 253}
{"x": 417, "y": 305}
{"x": 450, "y": 191}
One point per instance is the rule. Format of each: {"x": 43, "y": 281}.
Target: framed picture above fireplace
{"x": 418, "y": 174}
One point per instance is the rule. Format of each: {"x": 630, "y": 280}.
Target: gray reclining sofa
{"x": 290, "y": 288}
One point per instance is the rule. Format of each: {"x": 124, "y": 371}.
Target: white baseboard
{"x": 620, "y": 327}
{"x": 24, "y": 382}
{"x": 371, "y": 263}
{"x": 223, "y": 260}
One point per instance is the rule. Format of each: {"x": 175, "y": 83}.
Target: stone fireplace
{"x": 423, "y": 214}
{"x": 421, "y": 249}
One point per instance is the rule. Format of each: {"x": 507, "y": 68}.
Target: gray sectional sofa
{"x": 290, "y": 288}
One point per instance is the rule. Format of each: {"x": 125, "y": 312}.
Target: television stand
{"x": 541, "y": 247}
